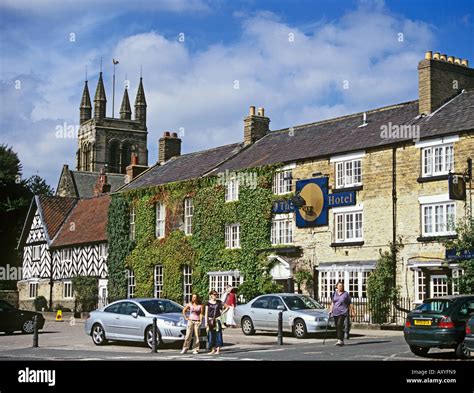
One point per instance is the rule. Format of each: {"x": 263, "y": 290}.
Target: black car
{"x": 13, "y": 319}
{"x": 469, "y": 339}
{"x": 439, "y": 323}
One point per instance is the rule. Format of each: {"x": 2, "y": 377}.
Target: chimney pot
{"x": 436, "y": 56}
{"x": 261, "y": 112}
{"x": 252, "y": 111}
{"x": 174, "y": 135}
{"x": 166, "y": 134}
{"x": 134, "y": 159}
{"x": 457, "y": 61}
{"x": 465, "y": 62}
{"x": 450, "y": 59}
{"x": 443, "y": 57}
{"x": 429, "y": 55}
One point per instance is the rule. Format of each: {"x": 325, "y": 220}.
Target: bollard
{"x": 280, "y": 328}
{"x": 347, "y": 326}
{"x": 35, "y": 331}
{"x": 155, "y": 332}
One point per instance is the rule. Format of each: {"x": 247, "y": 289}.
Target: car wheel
{"x": 149, "y": 337}
{"x": 28, "y": 326}
{"x": 299, "y": 329}
{"x": 419, "y": 351}
{"x": 247, "y": 326}
{"x": 462, "y": 352}
{"x": 98, "y": 335}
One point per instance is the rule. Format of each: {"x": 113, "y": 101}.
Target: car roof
{"x": 450, "y": 297}
{"x": 283, "y": 294}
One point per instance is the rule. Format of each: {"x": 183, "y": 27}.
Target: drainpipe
{"x": 394, "y": 214}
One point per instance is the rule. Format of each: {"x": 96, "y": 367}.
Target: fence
{"x": 378, "y": 312}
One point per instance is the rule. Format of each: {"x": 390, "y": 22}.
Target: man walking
{"x": 341, "y": 304}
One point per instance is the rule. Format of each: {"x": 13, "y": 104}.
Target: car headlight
{"x": 169, "y": 323}
{"x": 320, "y": 319}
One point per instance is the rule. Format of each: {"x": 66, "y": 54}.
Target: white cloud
{"x": 297, "y": 81}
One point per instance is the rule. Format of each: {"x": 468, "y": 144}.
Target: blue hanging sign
{"x": 283, "y": 206}
{"x": 465, "y": 254}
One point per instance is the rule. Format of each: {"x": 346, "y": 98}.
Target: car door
{"x": 273, "y": 311}
{"x": 129, "y": 327}
{"x": 8, "y": 317}
{"x": 463, "y": 314}
{"x": 258, "y": 312}
{"x": 111, "y": 320}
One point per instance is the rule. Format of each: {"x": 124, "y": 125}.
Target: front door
{"x": 103, "y": 293}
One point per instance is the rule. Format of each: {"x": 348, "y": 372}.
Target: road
{"x": 61, "y": 341}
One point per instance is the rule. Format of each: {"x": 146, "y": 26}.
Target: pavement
{"x": 67, "y": 341}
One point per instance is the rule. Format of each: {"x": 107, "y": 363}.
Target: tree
{"x": 38, "y": 186}
{"x": 303, "y": 277}
{"x": 463, "y": 243}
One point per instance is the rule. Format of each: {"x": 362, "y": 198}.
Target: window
{"x": 261, "y": 302}
{"x": 437, "y": 160}
{"x": 33, "y": 290}
{"x": 103, "y": 250}
{"x": 420, "y": 286}
{"x": 439, "y": 286}
{"x": 349, "y": 173}
{"x": 188, "y": 216}
{"x": 160, "y": 220}
{"x": 348, "y": 227}
{"x": 232, "y": 236}
{"x": 130, "y": 284}
{"x": 282, "y": 229}
{"x": 355, "y": 282}
{"x": 132, "y": 223}
{"x": 282, "y": 182}
{"x": 438, "y": 219}
{"x": 457, "y": 273}
{"x": 219, "y": 280}
{"x": 35, "y": 253}
{"x": 67, "y": 290}
{"x": 232, "y": 190}
{"x": 187, "y": 283}
{"x": 66, "y": 255}
{"x": 158, "y": 281}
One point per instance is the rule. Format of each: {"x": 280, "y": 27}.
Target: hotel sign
{"x": 316, "y": 200}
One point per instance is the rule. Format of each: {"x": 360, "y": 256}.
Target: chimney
{"x": 101, "y": 187}
{"x": 255, "y": 126}
{"x": 441, "y": 77}
{"x": 133, "y": 170}
{"x": 169, "y": 146}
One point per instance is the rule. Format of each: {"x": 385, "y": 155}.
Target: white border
{"x": 347, "y": 157}
{"x": 437, "y": 141}
{"x": 348, "y": 209}
{"x": 424, "y": 200}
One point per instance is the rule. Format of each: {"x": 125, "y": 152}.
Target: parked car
{"x": 439, "y": 323}
{"x": 469, "y": 338}
{"x": 13, "y": 319}
{"x": 301, "y": 314}
{"x": 132, "y": 320}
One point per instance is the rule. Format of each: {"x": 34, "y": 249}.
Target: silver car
{"x": 301, "y": 314}
{"x": 132, "y": 320}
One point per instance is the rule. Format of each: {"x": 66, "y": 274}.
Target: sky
{"x": 205, "y": 62}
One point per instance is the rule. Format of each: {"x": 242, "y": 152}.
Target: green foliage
{"x": 118, "y": 227}
{"x": 86, "y": 291}
{"x": 40, "y": 303}
{"x": 380, "y": 284}
{"x": 204, "y": 250}
{"x": 38, "y": 186}
{"x": 464, "y": 241}
{"x": 302, "y": 277}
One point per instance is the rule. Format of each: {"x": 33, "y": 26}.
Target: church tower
{"x": 105, "y": 142}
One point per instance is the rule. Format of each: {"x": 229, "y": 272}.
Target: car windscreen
{"x": 158, "y": 306}
{"x": 301, "y": 303}
{"x": 434, "y": 306}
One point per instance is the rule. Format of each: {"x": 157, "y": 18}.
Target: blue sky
{"x": 291, "y": 57}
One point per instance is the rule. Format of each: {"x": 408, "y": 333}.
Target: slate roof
{"x": 87, "y": 223}
{"x": 184, "y": 167}
{"x": 84, "y": 182}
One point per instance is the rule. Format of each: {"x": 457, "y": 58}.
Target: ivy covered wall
{"x": 204, "y": 250}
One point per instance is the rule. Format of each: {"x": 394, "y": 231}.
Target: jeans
{"x": 339, "y": 320}
{"x": 214, "y": 336}
{"x": 193, "y": 327}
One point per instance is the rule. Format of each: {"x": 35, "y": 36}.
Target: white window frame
{"x": 232, "y": 190}
{"x": 130, "y": 284}
{"x": 33, "y": 287}
{"x": 348, "y": 173}
{"x": 444, "y": 284}
{"x": 232, "y": 236}
{"x": 437, "y": 160}
{"x": 456, "y": 274}
{"x": 282, "y": 182}
{"x": 188, "y": 216}
{"x": 160, "y": 225}
{"x": 329, "y": 278}
{"x": 348, "y": 225}
{"x": 187, "y": 283}
{"x": 420, "y": 286}
{"x": 219, "y": 280}
{"x": 68, "y": 292}
{"x": 66, "y": 255}
{"x": 132, "y": 222}
{"x": 36, "y": 252}
{"x": 158, "y": 281}
{"x": 103, "y": 250}
{"x": 283, "y": 228}
{"x": 438, "y": 219}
